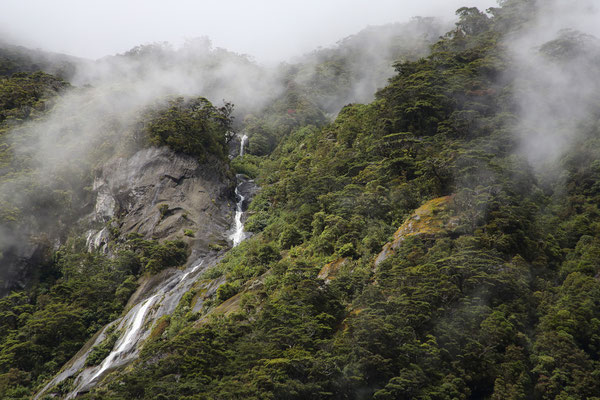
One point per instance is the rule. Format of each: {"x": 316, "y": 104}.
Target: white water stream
{"x": 135, "y": 327}
{"x": 243, "y": 144}
{"x": 126, "y": 342}
{"x": 137, "y": 323}
{"x": 136, "y": 317}
{"x": 238, "y": 234}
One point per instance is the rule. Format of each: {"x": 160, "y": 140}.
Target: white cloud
{"x": 270, "y": 30}
{"x": 556, "y": 94}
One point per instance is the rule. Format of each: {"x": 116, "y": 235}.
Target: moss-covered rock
{"x": 430, "y": 220}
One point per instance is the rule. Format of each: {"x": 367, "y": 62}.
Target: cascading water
{"x": 129, "y": 340}
{"x": 238, "y": 234}
{"x": 243, "y": 144}
{"x": 136, "y": 324}
{"x": 132, "y": 336}
{"x": 135, "y": 328}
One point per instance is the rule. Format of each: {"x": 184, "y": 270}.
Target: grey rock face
{"x": 163, "y": 195}
{"x": 18, "y": 260}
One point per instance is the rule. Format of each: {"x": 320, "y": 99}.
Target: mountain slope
{"x": 501, "y": 303}
{"x": 14, "y": 59}
{"x": 418, "y": 246}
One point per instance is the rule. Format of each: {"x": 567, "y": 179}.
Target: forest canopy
{"x": 407, "y": 248}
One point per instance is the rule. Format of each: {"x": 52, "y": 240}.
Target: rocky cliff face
{"x": 162, "y": 195}
{"x": 155, "y": 192}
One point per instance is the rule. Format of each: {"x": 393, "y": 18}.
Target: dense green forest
{"x": 16, "y": 59}
{"x": 405, "y": 250}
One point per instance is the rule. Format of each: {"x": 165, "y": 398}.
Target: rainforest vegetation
{"x": 490, "y": 288}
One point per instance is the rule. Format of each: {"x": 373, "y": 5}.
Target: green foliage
{"x": 155, "y": 256}
{"x": 188, "y": 232}
{"x": 101, "y": 351}
{"x": 163, "y": 209}
{"x": 248, "y": 165}
{"x": 25, "y": 95}
{"x": 501, "y": 303}
{"x": 42, "y": 328}
{"x": 193, "y": 127}
{"x": 226, "y": 291}
{"x": 290, "y": 236}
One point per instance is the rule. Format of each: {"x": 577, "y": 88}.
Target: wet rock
{"x": 160, "y": 195}
{"x": 98, "y": 240}
{"x": 164, "y": 195}
{"x": 156, "y": 297}
{"x": 248, "y": 189}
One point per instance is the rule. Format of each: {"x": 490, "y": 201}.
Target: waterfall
{"x": 242, "y": 144}
{"x": 131, "y": 336}
{"x": 135, "y": 326}
{"x": 238, "y": 234}
{"x": 132, "y": 333}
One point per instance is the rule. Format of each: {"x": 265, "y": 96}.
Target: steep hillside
{"x": 89, "y": 218}
{"x": 15, "y": 59}
{"x": 108, "y": 210}
{"x": 317, "y": 85}
{"x": 494, "y": 293}
{"x": 439, "y": 242}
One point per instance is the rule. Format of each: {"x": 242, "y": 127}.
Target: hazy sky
{"x": 270, "y": 30}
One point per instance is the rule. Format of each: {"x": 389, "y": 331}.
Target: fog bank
{"x": 269, "y": 30}
{"x": 557, "y": 77}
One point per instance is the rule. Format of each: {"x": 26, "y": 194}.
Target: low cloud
{"x": 557, "y": 82}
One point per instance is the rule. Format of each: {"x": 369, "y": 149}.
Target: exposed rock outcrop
{"x": 330, "y": 270}
{"x": 163, "y": 195}
{"x": 430, "y": 219}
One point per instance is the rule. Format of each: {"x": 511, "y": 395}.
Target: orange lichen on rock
{"x": 427, "y": 220}
{"x": 330, "y": 270}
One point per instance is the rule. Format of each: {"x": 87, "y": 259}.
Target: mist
{"x": 272, "y": 31}
{"x": 367, "y": 59}
{"x": 97, "y": 119}
{"x": 557, "y": 83}
{"x": 46, "y": 186}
